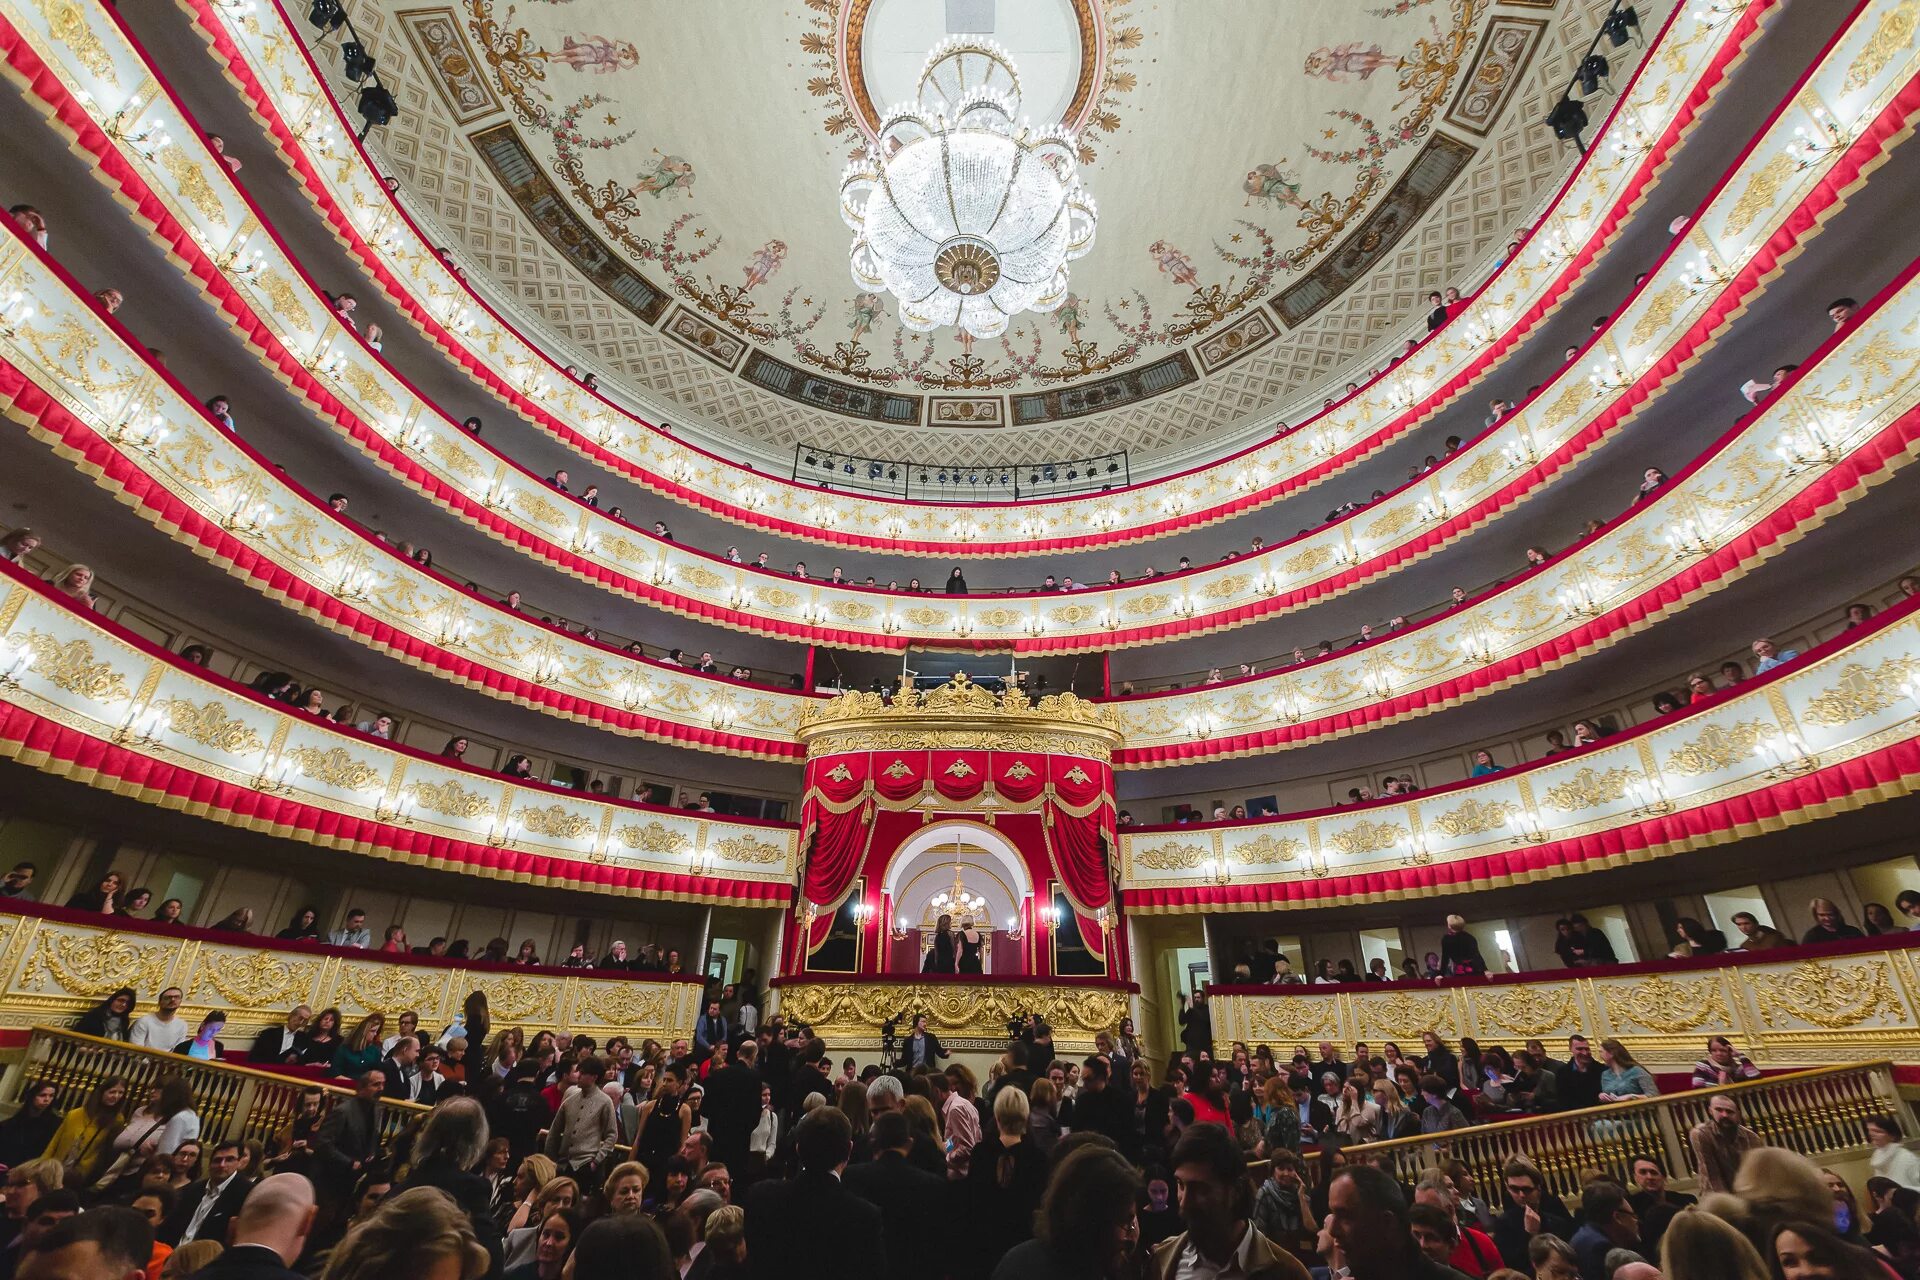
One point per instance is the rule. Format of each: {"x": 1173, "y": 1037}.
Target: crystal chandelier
{"x": 963, "y": 212}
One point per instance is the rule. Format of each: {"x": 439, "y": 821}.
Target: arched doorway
{"x": 970, "y": 872}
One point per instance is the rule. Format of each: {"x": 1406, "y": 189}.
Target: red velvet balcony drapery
{"x": 849, "y": 795}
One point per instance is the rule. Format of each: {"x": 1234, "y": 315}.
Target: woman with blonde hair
{"x": 418, "y": 1232}
{"x": 626, "y": 1187}
{"x": 1700, "y": 1246}
{"x": 1005, "y": 1179}
{"x": 76, "y": 583}
{"x": 360, "y": 1051}
{"x": 523, "y": 1233}
{"x": 189, "y": 1258}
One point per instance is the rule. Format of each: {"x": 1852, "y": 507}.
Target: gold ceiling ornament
{"x": 961, "y": 715}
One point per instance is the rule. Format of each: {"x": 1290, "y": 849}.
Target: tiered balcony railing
{"x": 264, "y": 52}
{"x": 1821, "y": 1114}
{"x": 89, "y": 700}
{"x": 57, "y": 963}
{"x": 1853, "y": 1001}
{"x": 1830, "y": 733}
{"x": 234, "y": 1103}
{"x": 292, "y": 330}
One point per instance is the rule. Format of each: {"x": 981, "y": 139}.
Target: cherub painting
{"x": 867, "y": 310}
{"x": 1351, "y": 61}
{"x": 1172, "y": 262}
{"x": 765, "y": 262}
{"x": 598, "y": 54}
{"x": 670, "y": 173}
{"x": 1070, "y": 316}
{"x": 1271, "y": 182}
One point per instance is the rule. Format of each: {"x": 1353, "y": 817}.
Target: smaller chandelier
{"x": 965, "y": 214}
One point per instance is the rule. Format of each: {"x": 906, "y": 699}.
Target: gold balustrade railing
{"x": 1819, "y": 1113}
{"x": 233, "y": 1102}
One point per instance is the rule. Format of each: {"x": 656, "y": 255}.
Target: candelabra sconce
{"x": 326, "y": 366}
{"x": 890, "y": 625}
{"x": 1477, "y": 650}
{"x": 584, "y": 544}
{"x": 1201, "y": 726}
{"x": 1186, "y": 607}
{"x": 545, "y": 670}
{"x": 721, "y": 716}
{"x": 1325, "y": 445}
{"x": 246, "y": 518}
{"x": 1216, "y": 870}
{"x": 1581, "y": 602}
{"x": 453, "y": 633}
{"x": 1650, "y": 797}
{"x": 700, "y": 863}
{"x": 1015, "y": 930}
{"x": 1526, "y": 827}
{"x": 1712, "y": 13}
{"x": 237, "y": 263}
{"x": 1417, "y": 855}
{"x": 899, "y": 930}
{"x": 500, "y": 834}
{"x": 660, "y": 573}
{"x": 1401, "y": 395}
{"x": 142, "y": 727}
{"x": 1807, "y": 447}
{"x": 1909, "y": 689}
{"x": 412, "y": 439}
{"x": 1609, "y": 376}
{"x": 1286, "y": 708}
{"x": 1557, "y": 246}
{"x": 963, "y": 626}
{"x": 1813, "y": 143}
{"x": 635, "y": 694}
{"x": 147, "y": 142}
{"x": 1036, "y": 625}
{"x": 1790, "y": 754}
{"x": 1630, "y": 138}
{"x": 862, "y": 912}
{"x": 399, "y": 812}
{"x": 272, "y": 778}
{"x": 355, "y": 584}
{"x": 1050, "y": 917}
{"x": 1520, "y": 454}
{"x": 145, "y": 439}
{"x": 1379, "y": 684}
{"x": 14, "y": 315}
{"x": 1688, "y": 540}
{"x": 1699, "y": 276}
{"x": 236, "y": 9}
{"x": 1486, "y": 326}
{"x": 14, "y": 664}
{"x": 1433, "y": 510}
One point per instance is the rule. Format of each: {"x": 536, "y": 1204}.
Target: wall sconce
{"x": 1630, "y": 138}
{"x": 1217, "y": 871}
{"x": 1806, "y": 447}
{"x": 862, "y": 912}
{"x": 1688, "y": 541}
{"x": 145, "y": 440}
{"x": 1699, "y": 276}
{"x": 148, "y": 142}
{"x": 1579, "y": 601}
{"x": 272, "y": 778}
{"x": 1050, "y": 917}
{"x": 1811, "y": 145}
{"x": 1521, "y": 453}
{"x": 635, "y": 693}
{"x": 1418, "y": 855}
{"x": 1650, "y": 797}
{"x": 1526, "y": 826}
{"x": 245, "y": 518}
{"x": 1789, "y": 752}
{"x": 1608, "y": 376}
{"x": 400, "y": 811}
{"x": 14, "y": 664}
{"x": 142, "y": 726}
{"x": 16, "y": 313}
{"x": 899, "y": 931}
{"x": 355, "y": 584}
{"x": 1201, "y": 725}
{"x": 499, "y": 834}
{"x": 722, "y": 714}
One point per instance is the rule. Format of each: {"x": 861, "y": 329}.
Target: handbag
{"x": 128, "y": 1163}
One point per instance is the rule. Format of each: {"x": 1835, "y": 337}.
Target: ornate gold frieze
{"x": 749, "y": 850}
{"x": 1717, "y": 747}
{"x": 655, "y": 837}
{"x": 210, "y": 725}
{"x": 1367, "y": 837}
{"x": 1836, "y": 995}
{"x": 1668, "y": 1006}
{"x": 955, "y": 1010}
{"x": 451, "y": 799}
{"x": 1859, "y": 692}
{"x": 961, "y": 714}
{"x": 71, "y": 665}
{"x": 1267, "y": 850}
{"x": 1171, "y": 857}
{"x": 1474, "y": 817}
{"x": 335, "y": 767}
{"x": 1526, "y": 1011}
{"x": 1589, "y": 789}
{"x": 556, "y": 821}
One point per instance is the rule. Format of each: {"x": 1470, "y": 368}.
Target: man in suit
{"x": 284, "y": 1042}
{"x": 402, "y": 1070}
{"x": 270, "y": 1232}
{"x": 203, "y": 1208}
{"x": 788, "y": 1218}
{"x": 709, "y": 1029}
{"x": 346, "y": 1142}
{"x": 913, "y": 1203}
{"x": 732, "y": 1105}
{"x": 921, "y": 1047}
{"x": 1099, "y": 1107}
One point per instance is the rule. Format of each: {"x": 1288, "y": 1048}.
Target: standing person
{"x": 956, "y": 582}
{"x": 921, "y": 1048}
{"x": 1196, "y": 1025}
{"x": 1368, "y": 1225}
{"x": 913, "y": 1203}
{"x": 732, "y": 1107}
{"x": 1460, "y": 951}
{"x": 1216, "y": 1207}
{"x": 447, "y": 1156}
{"x": 1087, "y": 1227}
{"x": 1005, "y": 1179}
{"x": 1719, "y": 1142}
{"x": 346, "y": 1142}
{"x": 970, "y": 947}
{"x": 788, "y": 1218}
{"x": 665, "y": 1120}
{"x": 584, "y": 1130}
{"x": 940, "y": 958}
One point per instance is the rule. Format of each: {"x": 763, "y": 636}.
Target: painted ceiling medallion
{"x": 962, "y": 211}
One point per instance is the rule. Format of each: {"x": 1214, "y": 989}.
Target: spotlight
{"x": 1113, "y": 468}
{"x": 377, "y": 106}
{"x": 1568, "y": 121}
{"x": 355, "y": 60}
{"x": 1034, "y": 478}
{"x": 923, "y": 477}
{"x": 848, "y": 468}
{"x": 1003, "y": 477}
{"x": 943, "y": 477}
{"x": 1592, "y": 71}
{"x": 973, "y": 477}
{"x": 812, "y": 461}
{"x": 1621, "y": 26}
{"x": 326, "y": 14}
{"x": 1073, "y": 475}
{"x": 893, "y": 473}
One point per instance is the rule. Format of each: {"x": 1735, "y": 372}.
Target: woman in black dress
{"x": 970, "y": 942}
{"x": 957, "y": 584}
{"x": 940, "y": 955}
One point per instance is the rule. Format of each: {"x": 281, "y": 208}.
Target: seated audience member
{"x": 1723, "y": 1065}
{"x": 1608, "y": 1222}
{"x": 111, "y": 1242}
{"x": 1759, "y": 937}
{"x": 1827, "y": 924}
{"x": 1696, "y": 939}
{"x": 282, "y": 1043}
{"x": 1369, "y": 1229}
{"x": 1531, "y": 1211}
